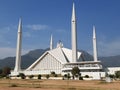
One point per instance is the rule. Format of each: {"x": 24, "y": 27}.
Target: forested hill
{"x": 30, "y": 57}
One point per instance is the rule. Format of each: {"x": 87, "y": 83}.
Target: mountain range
{"x": 31, "y": 56}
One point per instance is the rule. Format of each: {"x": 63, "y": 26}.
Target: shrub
{"x": 86, "y": 76}
{"x": 22, "y": 75}
{"x": 117, "y": 74}
{"x": 39, "y": 76}
{"x": 53, "y": 73}
{"x": 67, "y": 76}
{"x": 47, "y": 76}
{"x": 111, "y": 76}
{"x": 31, "y": 76}
{"x": 80, "y": 78}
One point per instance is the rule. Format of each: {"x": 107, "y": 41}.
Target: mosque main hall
{"x": 61, "y": 60}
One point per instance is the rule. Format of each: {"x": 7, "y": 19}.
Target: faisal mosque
{"x": 61, "y": 60}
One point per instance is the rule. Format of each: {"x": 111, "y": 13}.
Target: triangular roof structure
{"x": 63, "y": 55}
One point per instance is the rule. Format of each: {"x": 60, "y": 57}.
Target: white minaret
{"x": 94, "y": 45}
{"x": 74, "y": 35}
{"x": 51, "y": 43}
{"x": 18, "y": 50}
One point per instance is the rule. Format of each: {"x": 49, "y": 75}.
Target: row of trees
{"x": 22, "y": 75}
{"x": 75, "y": 74}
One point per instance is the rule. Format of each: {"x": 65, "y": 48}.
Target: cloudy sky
{"x": 41, "y": 18}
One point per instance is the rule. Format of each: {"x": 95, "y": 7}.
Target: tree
{"x": 75, "y": 72}
{"x": 0, "y": 71}
{"x": 6, "y": 71}
{"x": 117, "y": 74}
{"x": 65, "y": 76}
{"x": 68, "y": 76}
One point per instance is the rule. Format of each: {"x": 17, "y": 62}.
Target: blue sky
{"x": 41, "y": 18}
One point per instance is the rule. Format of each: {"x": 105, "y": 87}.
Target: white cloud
{"x": 37, "y": 27}
{"x": 9, "y": 52}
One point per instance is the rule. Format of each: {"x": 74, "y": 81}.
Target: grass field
{"x": 7, "y": 84}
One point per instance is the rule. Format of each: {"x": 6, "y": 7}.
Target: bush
{"x": 86, "y": 76}
{"x": 111, "y": 76}
{"x": 31, "y": 76}
{"x": 47, "y": 76}
{"x": 117, "y": 74}
{"x": 80, "y": 78}
{"x": 22, "y": 75}
{"x": 66, "y": 76}
{"x": 53, "y": 73}
{"x": 39, "y": 76}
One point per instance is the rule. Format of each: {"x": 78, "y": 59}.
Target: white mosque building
{"x": 61, "y": 60}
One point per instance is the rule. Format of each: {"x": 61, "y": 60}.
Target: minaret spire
{"x": 18, "y": 49}
{"x": 74, "y": 35}
{"x": 94, "y": 45}
{"x": 51, "y": 43}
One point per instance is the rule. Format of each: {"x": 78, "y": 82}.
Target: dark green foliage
{"x": 55, "y": 75}
{"x": 52, "y": 73}
{"x": 80, "y": 78}
{"x": 0, "y": 71}
{"x": 86, "y": 76}
{"x": 39, "y": 76}
{"x": 117, "y": 74}
{"x": 22, "y": 75}
{"x": 5, "y": 72}
{"x": 31, "y": 76}
{"x": 75, "y": 72}
{"x": 18, "y": 75}
{"x": 111, "y": 76}
{"x": 47, "y": 76}
{"x": 66, "y": 76}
